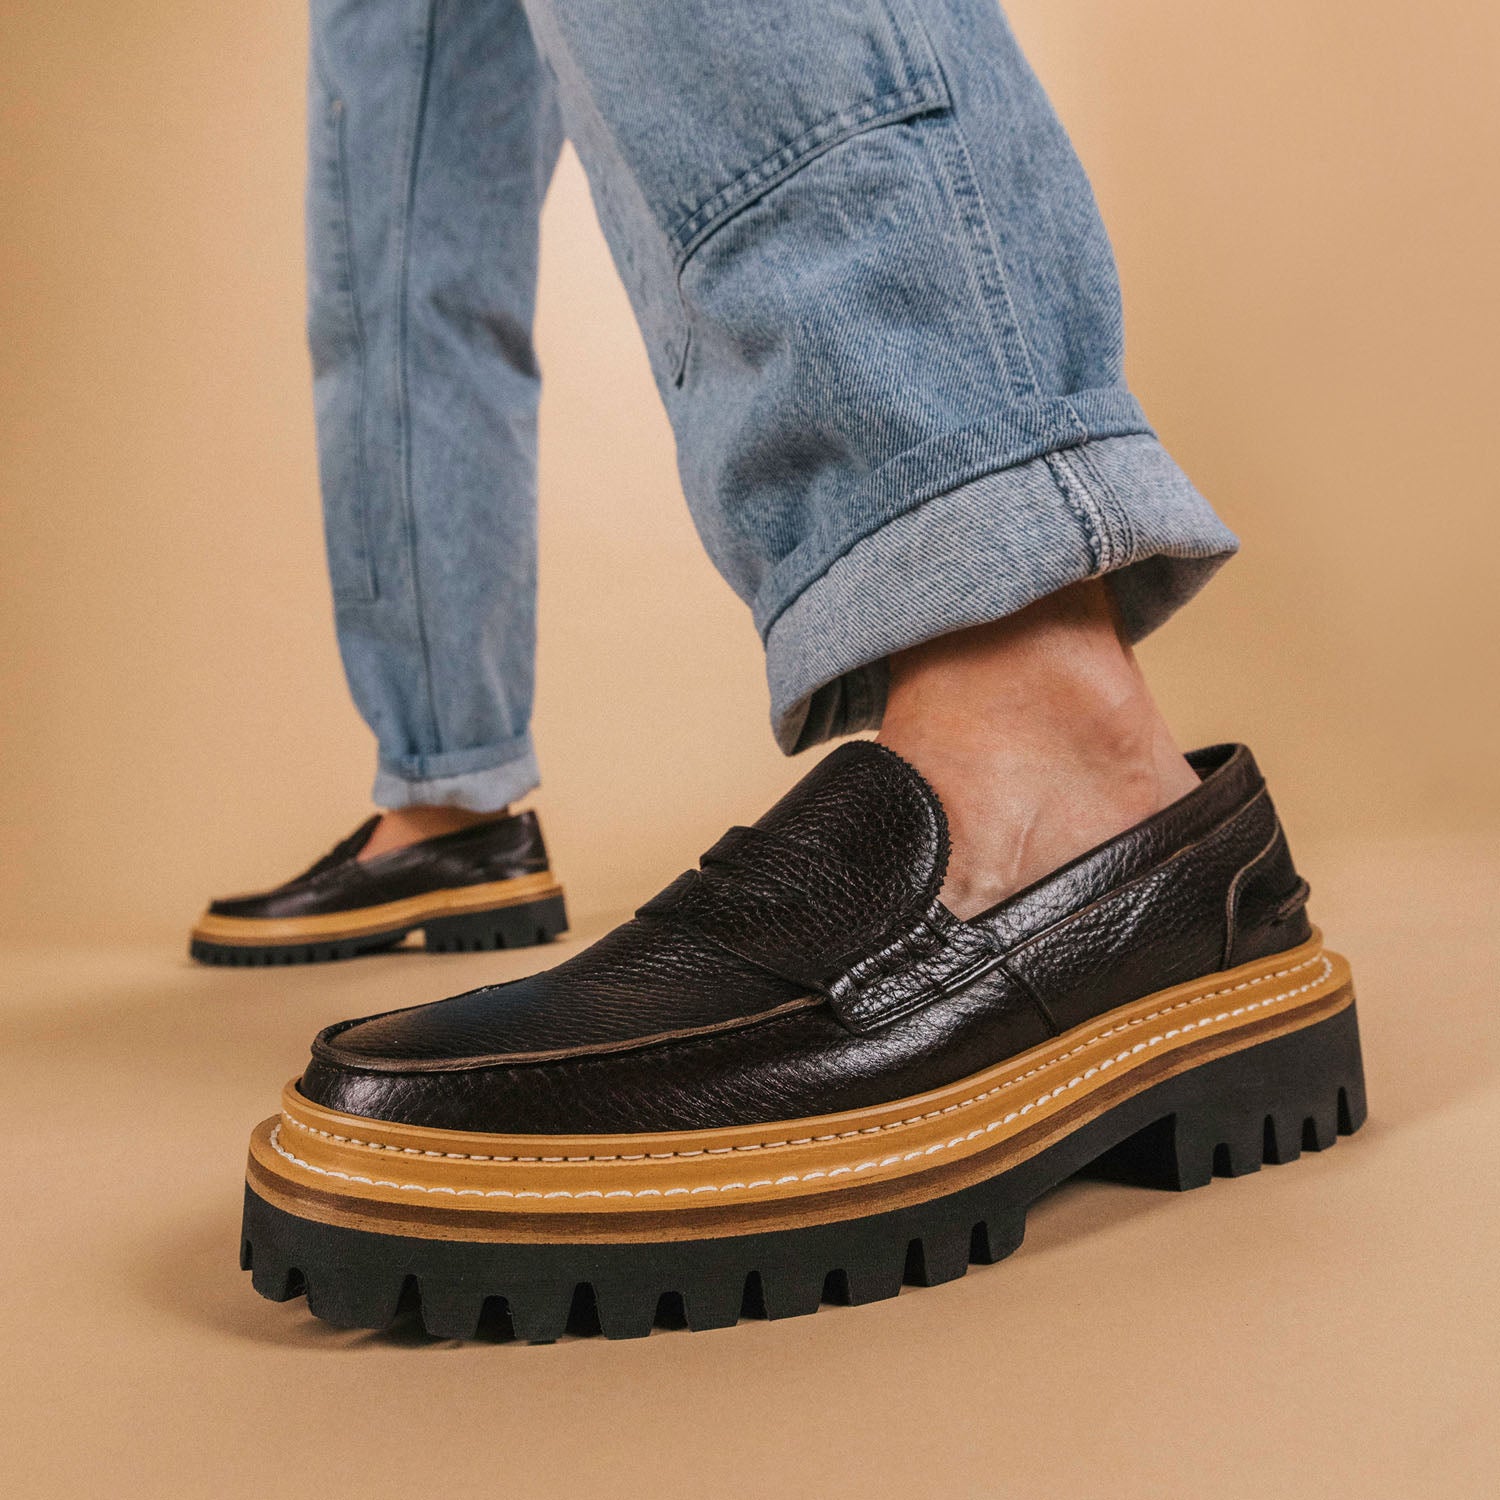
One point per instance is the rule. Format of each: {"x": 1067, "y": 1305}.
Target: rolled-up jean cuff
{"x": 985, "y": 549}
{"x": 482, "y": 780}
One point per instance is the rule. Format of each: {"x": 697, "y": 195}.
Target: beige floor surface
{"x": 1325, "y": 1329}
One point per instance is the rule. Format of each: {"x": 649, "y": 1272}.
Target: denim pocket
{"x": 336, "y": 342}
{"x": 710, "y": 106}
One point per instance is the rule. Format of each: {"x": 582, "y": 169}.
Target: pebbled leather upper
{"x": 807, "y": 966}
{"x": 340, "y": 881}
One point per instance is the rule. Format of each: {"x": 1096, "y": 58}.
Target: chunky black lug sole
{"x": 1268, "y": 1102}
{"x": 519, "y": 926}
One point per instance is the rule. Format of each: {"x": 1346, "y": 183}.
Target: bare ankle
{"x": 410, "y": 825}
{"x": 1040, "y": 736}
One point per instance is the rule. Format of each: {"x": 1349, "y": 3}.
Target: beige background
{"x": 1305, "y": 200}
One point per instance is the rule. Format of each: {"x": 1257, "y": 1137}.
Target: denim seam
{"x": 1081, "y": 501}
{"x": 992, "y": 260}
{"x": 690, "y": 232}
{"x": 987, "y": 243}
{"x": 1073, "y": 509}
{"x": 928, "y": 64}
{"x": 956, "y": 177}
{"x": 371, "y": 590}
{"x": 403, "y": 405}
{"x": 1122, "y": 528}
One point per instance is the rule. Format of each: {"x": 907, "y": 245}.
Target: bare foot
{"x": 410, "y": 825}
{"x": 1040, "y": 736}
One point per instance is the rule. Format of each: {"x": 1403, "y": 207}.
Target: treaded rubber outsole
{"x": 1266, "y": 1103}
{"x": 520, "y": 926}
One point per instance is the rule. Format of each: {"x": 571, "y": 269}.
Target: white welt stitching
{"x": 867, "y": 1166}
{"x": 810, "y": 1140}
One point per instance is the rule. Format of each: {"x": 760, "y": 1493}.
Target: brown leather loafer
{"x": 488, "y": 886}
{"x": 795, "y": 1075}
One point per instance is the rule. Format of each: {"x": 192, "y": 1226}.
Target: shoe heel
{"x": 1268, "y": 1103}
{"x": 519, "y": 926}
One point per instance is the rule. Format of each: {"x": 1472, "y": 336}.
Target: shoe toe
{"x": 256, "y": 905}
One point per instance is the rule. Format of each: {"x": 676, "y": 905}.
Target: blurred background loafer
{"x": 487, "y": 886}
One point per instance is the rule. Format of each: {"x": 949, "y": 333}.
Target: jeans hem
{"x": 483, "y": 780}
{"x": 936, "y": 467}
{"x": 1116, "y": 506}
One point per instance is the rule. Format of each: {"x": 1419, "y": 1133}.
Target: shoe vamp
{"x": 794, "y": 1065}
{"x": 628, "y": 987}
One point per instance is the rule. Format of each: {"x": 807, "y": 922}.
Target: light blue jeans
{"x": 878, "y": 302}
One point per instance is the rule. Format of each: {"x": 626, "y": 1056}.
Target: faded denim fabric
{"x": 878, "y": 302}
{"x": 433, "y": 134}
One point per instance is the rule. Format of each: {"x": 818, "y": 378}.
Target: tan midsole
{"x": 342, "y": 1168}
{"x": 410, "y": 912}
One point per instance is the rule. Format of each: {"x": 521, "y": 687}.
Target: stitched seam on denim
{"x": 903, "y": 34}
{"x": 1090, "y": 518}
{"x": 415, "y": 133}
{"x": 1006, "y": 336}
{"x": 1122, "y": 528}
{"x": 987, "y": 241}
{"x": 1091, "y": 1072}
{"x": 966, "y": 205}
{"x": 371, "y": 590}
{"x": 688, "y": 233}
